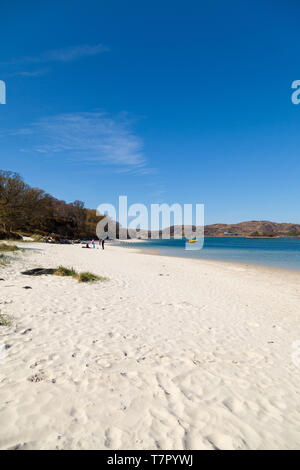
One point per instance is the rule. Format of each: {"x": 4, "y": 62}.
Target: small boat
{"x": 193, "y": 240}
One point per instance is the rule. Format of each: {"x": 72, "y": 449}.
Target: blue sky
{"x": 163, "y": 101}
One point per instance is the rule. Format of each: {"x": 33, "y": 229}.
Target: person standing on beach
{"x": 103, "y": 241}
{"x": 93, "y": 243}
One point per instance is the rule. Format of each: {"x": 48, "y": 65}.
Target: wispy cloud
{"x": 89, "y": 137}
{"x": 68, "y": 54}
{"x": 34, "y": 73}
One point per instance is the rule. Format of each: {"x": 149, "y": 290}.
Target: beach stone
{"x": 27, "y": 331}
{"x": 27, "y": 287}
{"x": 38, "y": 272}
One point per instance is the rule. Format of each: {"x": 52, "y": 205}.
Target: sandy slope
{"x": 170, "y": 353}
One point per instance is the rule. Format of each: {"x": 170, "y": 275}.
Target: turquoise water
{"x": 279, "y": 252}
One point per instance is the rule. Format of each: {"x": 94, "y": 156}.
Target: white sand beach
{"x": 168, "y": 353}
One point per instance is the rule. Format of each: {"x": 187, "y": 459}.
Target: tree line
{"x": 25, "y": 210}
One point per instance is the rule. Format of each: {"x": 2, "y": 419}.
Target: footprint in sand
{"x": 221, "y": 441}
{"x": 37, "y": 363}
{"x": 105, "y": 361}
{"x": 112, "y": 438}
{"x": 39, "y": 377}
{"x": 234, "y": 405}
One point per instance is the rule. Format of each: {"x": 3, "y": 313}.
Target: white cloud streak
{"x": 34, "y": 73}
{"x": 68, "y": 54}
{"x": 89, "y": 137}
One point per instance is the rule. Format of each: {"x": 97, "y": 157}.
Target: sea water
{"x": 276, "y": 252}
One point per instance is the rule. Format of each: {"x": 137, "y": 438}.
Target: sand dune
{"x": 168, "y": 354}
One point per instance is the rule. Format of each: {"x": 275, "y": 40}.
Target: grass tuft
{"x": 5, "y": 320}
{"x": 5, "y": 247}
{"x": 81, "y": 277}
{"x": 37, "y": 238}
{"x": 62, "y": 271}
{"x": 3, "y": 260}
{"x": 90, "y": 277}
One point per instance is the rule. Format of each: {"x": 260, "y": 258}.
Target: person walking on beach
{"x": 93, "y": 243}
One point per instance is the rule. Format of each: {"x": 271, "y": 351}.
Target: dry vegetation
{"x": 8, "y": 248}
{"x": 80, "y": 277}
{"x": 5, "y": 320}
{"x": 4, "y": 260}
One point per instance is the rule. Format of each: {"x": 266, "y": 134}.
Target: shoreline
{"x": 156, "y": 252}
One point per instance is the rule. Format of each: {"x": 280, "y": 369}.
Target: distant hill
{"x": 251, "y": 229}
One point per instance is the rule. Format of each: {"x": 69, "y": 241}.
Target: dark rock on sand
{"x": 27, "y": 331}
{"x": 38, "y": 272}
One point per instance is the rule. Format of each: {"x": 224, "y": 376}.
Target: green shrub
{"x": 5, "y": 247}
{"x": 5, "y": 320}
{"x": 81, "y": 277}
{"x": 3, "y": 260}
{"x": 90, "y": 277}
{"x": 62, "y": 271}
